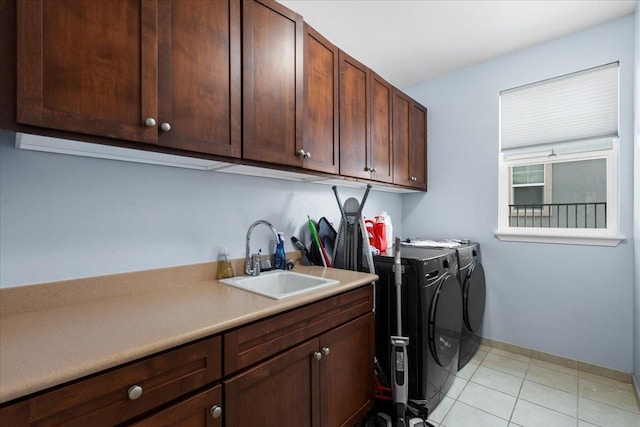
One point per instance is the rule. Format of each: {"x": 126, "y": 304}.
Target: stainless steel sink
{"x": 279, "y": 284}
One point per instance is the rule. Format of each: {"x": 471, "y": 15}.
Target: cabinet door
{"x": 272, "y": 78}
{"x": 197, "y": 411}
{"x": 321, "y": 138}
{"x": 418, "y": 145}
{"x": 381, "y": 148}
{"x": 354, "y": 117}
{"x": 199, "y": 76}
{"x": 409, "y": 142}
{"x": 280, "y": 392}
{"x": 88, "y": 66}
{"x": 346, "y": 375}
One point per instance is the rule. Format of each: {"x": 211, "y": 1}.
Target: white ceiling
{"x": 407, "y": 42}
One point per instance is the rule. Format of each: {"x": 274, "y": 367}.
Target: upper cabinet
{"x": 89, "y": 67}
{"x": 355, "y": 111}
{"x": 321, "y": 138}
{"x": 199, "y": 76}
{"x": 272, "y": 79}
{"x": 243, "y": 80}
{"x": 164, "y": 73}
{"x": 365, "y": 122}
{"x": 409, "y": 142}
{"x": 380, "y": 153}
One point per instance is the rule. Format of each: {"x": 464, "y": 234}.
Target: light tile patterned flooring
{"x": 498, "y": 388}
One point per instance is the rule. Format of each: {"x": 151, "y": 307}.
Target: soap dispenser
{"x": 281, "y": 258}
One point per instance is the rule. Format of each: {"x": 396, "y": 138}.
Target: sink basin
{"x": 279, "y": 284}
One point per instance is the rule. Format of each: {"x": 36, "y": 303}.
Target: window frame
{"x": 546, "y": 190}
{"x": 608, "y": 236}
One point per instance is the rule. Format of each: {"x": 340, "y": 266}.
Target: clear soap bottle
{"x": 225, "y": 270}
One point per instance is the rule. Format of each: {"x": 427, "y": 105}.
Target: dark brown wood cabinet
{"x": 88, "y": 67}
{"x": 199, "y": 76}
{"x": 321, "y": 137}
{"x": 345, "y": 372}
{"x": 365, "y": 122}
{"x": 355, "y": 113}
{"x": 119, "y": 395}
{"x": 273, "y": 84}
{"x": 380, "y": 153}
{"x": 162, "y": 72}
{"x": 280, "y": 392}
{"x": 201, "y": 410}
{"x": 317, "y": 373}
{"x": 409, "y": 142}
{"x": 245, "y": 80}
{"x": 326, "y": 381}
{"x": 311, "y": 365}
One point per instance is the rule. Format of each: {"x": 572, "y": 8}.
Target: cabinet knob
{"x": 166, "y": 127}
{"x": 413, "y": 178}
{"x": 307, "y": 155}
{"x": 317, "y": 355}
{"x": 150, "y": 122}
{"x": 373, "y": 169}
{"x": 325, "y": 351}
{"x": 301, "y": 153}
{"x": 135, "y": 391}
{"x": 216, "y": 411}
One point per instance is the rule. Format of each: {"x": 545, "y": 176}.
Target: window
{"x": 559, "y": 159}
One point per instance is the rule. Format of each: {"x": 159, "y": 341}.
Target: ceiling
{"x": 410, "y": 41}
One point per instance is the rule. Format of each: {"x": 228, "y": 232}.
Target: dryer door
{"x": 445, "y": 320}
{"x": 473, "y": 295}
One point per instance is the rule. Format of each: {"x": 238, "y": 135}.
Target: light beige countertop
{"x": 54, "y": 333}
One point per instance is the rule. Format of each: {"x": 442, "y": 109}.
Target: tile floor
{"x": 503, "y": 389}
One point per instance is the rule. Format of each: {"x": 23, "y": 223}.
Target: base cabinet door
{"x": 202, "y": 410}
{"x": 346, "y": 372}
{"x": 279, "y": 392}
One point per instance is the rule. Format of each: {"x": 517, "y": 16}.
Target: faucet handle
{"x": 255, "y": 264}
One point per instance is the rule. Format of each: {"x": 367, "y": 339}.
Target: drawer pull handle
{"x": 216, "y": 411}
{"x": 135, "y": 391}
{"x": 325, "y": 351}
{"x": 317, "y": 355}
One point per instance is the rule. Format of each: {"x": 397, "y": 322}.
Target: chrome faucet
{"x": 252, "y": 261}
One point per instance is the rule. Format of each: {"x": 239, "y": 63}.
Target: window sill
{"x": 532, "y": 236}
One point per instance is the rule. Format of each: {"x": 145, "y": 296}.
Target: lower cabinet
{"x": 346, "y": 372}
{"x": 310, "y": 366}
{"x": 202, "y": 410}
{"x": 326, "y": 381}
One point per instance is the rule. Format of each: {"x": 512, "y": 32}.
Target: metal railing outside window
{"x": 559, "y": 215}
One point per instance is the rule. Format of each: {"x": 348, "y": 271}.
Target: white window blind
{"x": 577, "y": 106}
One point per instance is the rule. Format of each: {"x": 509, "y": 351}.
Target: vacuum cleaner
{"x": 399, "y": 365}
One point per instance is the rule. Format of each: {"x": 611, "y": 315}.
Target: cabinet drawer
{"x": 250, "y": 344}
{"x": 196, "y": 411}
{"x": 104, "y": 398}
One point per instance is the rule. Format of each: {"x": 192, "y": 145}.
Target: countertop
{"x": 45, "y": 346}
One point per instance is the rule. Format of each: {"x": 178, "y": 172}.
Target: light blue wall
{"x": 636, "y": 211}
{"x": 574, "y": 301}
{"x": 64, "y": 217}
